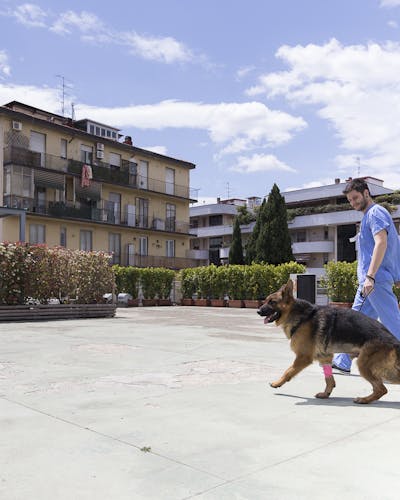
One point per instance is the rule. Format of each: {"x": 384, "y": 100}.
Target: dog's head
{"x": 277, "y": 304}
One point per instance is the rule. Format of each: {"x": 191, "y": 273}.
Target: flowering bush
{"x": 41, "y": 273}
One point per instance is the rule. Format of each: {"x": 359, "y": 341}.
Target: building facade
{"x": 321, "y": 235}
{"x": 80, "y": 185}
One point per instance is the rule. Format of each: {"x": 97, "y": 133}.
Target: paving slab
{"x": 173, "y": 403}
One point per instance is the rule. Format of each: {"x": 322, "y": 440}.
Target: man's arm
{"x": 380, "y": 239}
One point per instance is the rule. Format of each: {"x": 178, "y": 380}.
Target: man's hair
{"x": 356, "y": 185}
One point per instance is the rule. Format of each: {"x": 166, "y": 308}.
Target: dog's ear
{"x": 288, "y": 290}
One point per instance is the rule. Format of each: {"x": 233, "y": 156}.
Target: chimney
{"x": 128, "y": 140}
{"x": 337, "y": 180}
{"x": 218, "y": 200}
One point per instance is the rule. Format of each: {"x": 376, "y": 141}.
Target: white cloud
{"x": 390, "y": 3}
{"x": 41, "y": 97}
{"x": 161, "y": 150}
{"x": 30, "y": 15}
{"x": 233, "y": 127}
{"x": 393, "y": 24}
{"x": 4, "y": 65}
{"x": 166, "y": 50}
{"x": 243, "y": 72}
{"x": 317, "y": 183}
{"x": 355, "y": 88}
{"x": 84, "y": 22}
{"x": 260, "y": 163}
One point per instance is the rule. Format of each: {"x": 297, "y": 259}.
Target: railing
{"x": 102, "y": 172}
{"x": 64, "y": 210}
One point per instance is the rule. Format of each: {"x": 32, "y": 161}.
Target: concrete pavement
{"x": 172, "y": 403}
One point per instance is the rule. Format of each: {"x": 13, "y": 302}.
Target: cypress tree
{"x": 251, "y": 244}
{"x": 236, "y": 249}
{"x": 273, "y": 244}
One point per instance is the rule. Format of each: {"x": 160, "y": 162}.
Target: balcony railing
{"x": 105, "y": 215}
{"x": 102, "y": 172}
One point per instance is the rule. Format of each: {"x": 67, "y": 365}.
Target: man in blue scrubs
{"x": 378, "y": 264}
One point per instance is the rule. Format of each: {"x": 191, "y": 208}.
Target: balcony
{"x": 64, "y": 210}
{"x": 102, "y": 172}
{"x": 307, "y": 247}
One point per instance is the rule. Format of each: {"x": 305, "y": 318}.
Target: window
{"x": 142, "y": 211}
{"x": 215, "y": 220}
{"x": 19, "y": 181}
{"x": 169, "y": 180}
{"x": 91, "y": 129}
{"x": 301, "y": 236}
{"x": 115, "y": 160}
{"x": 143, "y": 245}
{"x": 37, "y": 143}
{"x": 63, "y": 148}
{"x": 86, "y": 154}
{"x": 37, "y": 233}
{"x": 85, "y": 240}
{"x": 115, "y": 203}
{"x": 114, "y": 247}
{"x": 143, "y": 171}
{"x": 170, "y": 248}
{"x": 170, "y": 217}
{"x": 63, "y": 236}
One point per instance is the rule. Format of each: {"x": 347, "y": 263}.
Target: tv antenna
{"x": 64, "y": 86}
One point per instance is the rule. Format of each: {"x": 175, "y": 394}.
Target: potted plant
{"x": 219, "y": 285}
{"x": 188, "y": 286}
{"x": 149, "y": 286}
{"x": 341, "y": 282}
{"x": 236, "y": 285}
{"x": 165, "y": 286}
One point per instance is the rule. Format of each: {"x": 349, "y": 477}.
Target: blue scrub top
{"x": 375, "y": 219}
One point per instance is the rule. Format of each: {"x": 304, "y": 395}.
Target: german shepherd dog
{"x": 317, "y": 332}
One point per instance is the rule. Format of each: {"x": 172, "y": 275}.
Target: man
{"x": 378, "y": 264}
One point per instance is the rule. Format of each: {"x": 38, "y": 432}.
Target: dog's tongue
{"x": 266, "y": 320}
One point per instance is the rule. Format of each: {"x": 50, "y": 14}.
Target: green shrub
{"x": 127, "y": 280}
{"x": 188, "y": 279}
{"x": 341, "y": 281}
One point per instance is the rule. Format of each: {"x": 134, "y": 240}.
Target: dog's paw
{"x": 322, "y": 395}
{"x": 362, "y": 401}
{"x": 275, "y": 385}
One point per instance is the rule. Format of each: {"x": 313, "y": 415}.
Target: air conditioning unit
{"x": 99, "y": 154}
{"x": 100, "y": 146}
{"x": 16, "y": 125}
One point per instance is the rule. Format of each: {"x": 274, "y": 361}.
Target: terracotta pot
{"x": 149, "y": 302}
{"x": 252, "y": 304}
{"x": 164, "y": 302}
{"x": 217, "y": 302}
{"x": 186, "y": 302}
{"x": 133, "y": 302}
{"x": 201, "y": 302}
{"x": 235, "y": 303}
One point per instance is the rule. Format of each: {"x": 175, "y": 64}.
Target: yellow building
{"x": 77, "y": 184}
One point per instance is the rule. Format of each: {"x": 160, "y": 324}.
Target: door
{"x": 130, "y": 254}
{"x": 131, "y": 215}
{"x": 115, "y": 199}
{"x": 37, "y": 143}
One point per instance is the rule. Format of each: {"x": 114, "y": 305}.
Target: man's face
{"x": 358, "y": 201}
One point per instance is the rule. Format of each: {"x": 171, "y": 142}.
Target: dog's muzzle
{"x": 269, "y": 314}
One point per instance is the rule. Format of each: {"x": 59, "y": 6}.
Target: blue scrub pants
{"x": 381, "y": 303}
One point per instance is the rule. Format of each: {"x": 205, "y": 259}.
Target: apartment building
{"x": 322, "y": 234}
{"x": 82, "y": 185}
{"x": 212, "y": 228}
{"x": 325, "y": 233}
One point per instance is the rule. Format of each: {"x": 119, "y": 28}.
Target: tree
{"x": 236, "y": 249}
{"x": 251, "y": 244}
{"x": 273, "y": 244}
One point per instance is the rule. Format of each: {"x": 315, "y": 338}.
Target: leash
{"x": 364, "y": 298}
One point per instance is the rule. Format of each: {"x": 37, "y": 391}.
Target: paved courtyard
{"x": 172, "y": 403}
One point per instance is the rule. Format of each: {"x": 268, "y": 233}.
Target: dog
{"x": 317, "y": 332}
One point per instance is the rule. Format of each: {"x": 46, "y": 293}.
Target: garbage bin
{"x": 304, "y": 286}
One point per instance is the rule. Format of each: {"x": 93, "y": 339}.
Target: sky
{"x": 255, "y": 92}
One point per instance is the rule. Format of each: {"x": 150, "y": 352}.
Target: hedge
{"x": 40, "y": 273}
{"x": 156, "y": 282}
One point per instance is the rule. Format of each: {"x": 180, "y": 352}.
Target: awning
{"x": 47, "y": 179}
